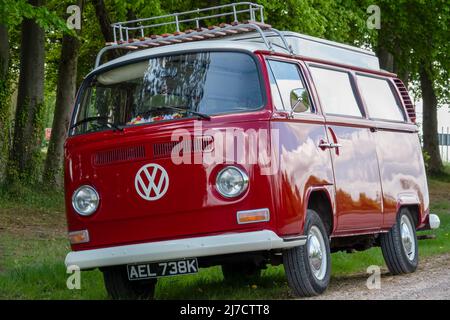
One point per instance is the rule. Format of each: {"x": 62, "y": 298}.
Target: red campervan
{"x": 241, "y": 146}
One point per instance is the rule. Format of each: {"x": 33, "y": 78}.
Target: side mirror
{"x": 299, "y": 100}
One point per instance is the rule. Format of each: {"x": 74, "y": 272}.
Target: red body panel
{"x": 298, "y": 175}
{"x": 402, "y": 173}
{"x": 378, "y": 168}
{"x": 191, "y": 205}
{"x": 357, "y": 178}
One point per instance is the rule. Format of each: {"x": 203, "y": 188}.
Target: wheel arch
{"x": 319, "y": 199}
{"x": 413, "y": 204}
{"x": 414, "y": 209}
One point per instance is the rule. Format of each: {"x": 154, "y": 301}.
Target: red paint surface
{"x": 366, "y": 180}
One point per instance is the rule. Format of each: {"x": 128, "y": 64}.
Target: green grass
{"x": 33, "y": 269}
{"x": 31, "y": 259}
{"x": 444, "y": 176}
{"x": 36, "y": 197}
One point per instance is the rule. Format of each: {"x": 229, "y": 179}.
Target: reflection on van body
{"x": 344, "y": 176}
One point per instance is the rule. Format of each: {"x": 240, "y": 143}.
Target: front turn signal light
{"x": 78, "y": 237}
{"x": 253, "y": 216}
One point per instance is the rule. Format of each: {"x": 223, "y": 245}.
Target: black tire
{"x": 394, "y": 252}
{"x": 299, "y": 273}
{"x": 240, "y": 271}
{"x": 120, "y": 288}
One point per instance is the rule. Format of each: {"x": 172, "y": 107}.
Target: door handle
{"x": 335, "y": 145}
{"x": 324, "y": 145}
{"x": 327, "y": 145}
{"x": 281, "y": 115}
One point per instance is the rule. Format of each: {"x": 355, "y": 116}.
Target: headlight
{"x": 231, "y": 182}
{"x": 85, "y": 200}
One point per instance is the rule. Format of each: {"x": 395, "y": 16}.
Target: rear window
{"x": 379, "y": 98}
{"x": 335, "y": 92}
{"x": 166, "y": 88}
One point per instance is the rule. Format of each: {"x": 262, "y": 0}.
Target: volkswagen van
{"x": 241, "y": 146}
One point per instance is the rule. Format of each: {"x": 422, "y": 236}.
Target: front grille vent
{"x": 119, "y": 155}
{"x": 197, "y": 144}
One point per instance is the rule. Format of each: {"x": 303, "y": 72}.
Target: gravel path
{"x": 430, "y": 281}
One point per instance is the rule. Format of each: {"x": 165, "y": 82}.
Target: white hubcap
{"x": 408, "y": 239}
{"x": 317, "y": 253}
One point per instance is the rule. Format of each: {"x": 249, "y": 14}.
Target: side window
{"x": 335, "y": 92}
{"x": 380, "y": 99}
{"x": 276, "y": 98}
{"x": 290, "y": 84}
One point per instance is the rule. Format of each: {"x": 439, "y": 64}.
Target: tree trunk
{"x": 386, "y": 59}
{"x": 430, "y": 123}
{"x": 4, "y": 52}
{"x": 105, "y": 25}
{"x": 383, "y": 51}
{"x": 4, "y": 99}
{"x": 103, "y": 19}
{"x": 28, "y": 130}
{"x": 401, "y": 65}
{"x": 65, "y": 98}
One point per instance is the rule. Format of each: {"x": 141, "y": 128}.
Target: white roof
{"x": 323, "y": 49}
{"x": 187, "y": 46}
{"x": 301, "y": 44}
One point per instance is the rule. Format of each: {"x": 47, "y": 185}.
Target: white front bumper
{"x": 181, "y": 248}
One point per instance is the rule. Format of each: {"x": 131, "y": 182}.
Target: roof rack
{"x": 249, "y": 11}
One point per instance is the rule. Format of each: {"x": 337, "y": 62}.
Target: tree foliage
{"x": 414, "y": 33}
{"x": 14, "y": 11}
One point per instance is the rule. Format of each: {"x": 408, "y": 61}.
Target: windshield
{"x": 165, "y": 88}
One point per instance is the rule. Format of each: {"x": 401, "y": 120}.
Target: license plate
{"x": 161, "y": 269}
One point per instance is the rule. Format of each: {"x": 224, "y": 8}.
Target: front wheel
{"x": 399, "y": 245}
{"x": 308, "y": 267}
{"x": 120, "y": 288}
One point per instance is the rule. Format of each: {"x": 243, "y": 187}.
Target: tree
{"x": 28, "y": 128}
{"x": 122, "y": 10}
{"x": 430, "y": 123}
{"x": 413, "y": 42}
{"x": 12, "y": 15}
{"x": 430, "y": 40}
{"x": 4, "y": 51}
{"x": 65, "y": 98}
{"x": 4, "y": 97}
{"x": 103, "y": 19}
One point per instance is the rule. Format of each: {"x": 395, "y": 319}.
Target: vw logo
{"x": 151, "y": 182}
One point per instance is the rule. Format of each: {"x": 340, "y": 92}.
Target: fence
{"x": 444, "y": 143}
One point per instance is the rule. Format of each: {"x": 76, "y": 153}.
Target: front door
{"x": 303, "y": 165}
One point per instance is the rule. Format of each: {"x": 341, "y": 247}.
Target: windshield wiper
{"x": 199, "y": 114}
{"x": 90, "y": 119}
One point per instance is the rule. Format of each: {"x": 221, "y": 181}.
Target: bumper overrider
{"x": 432, "y": 222}
{"x": 182, "y": 248}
